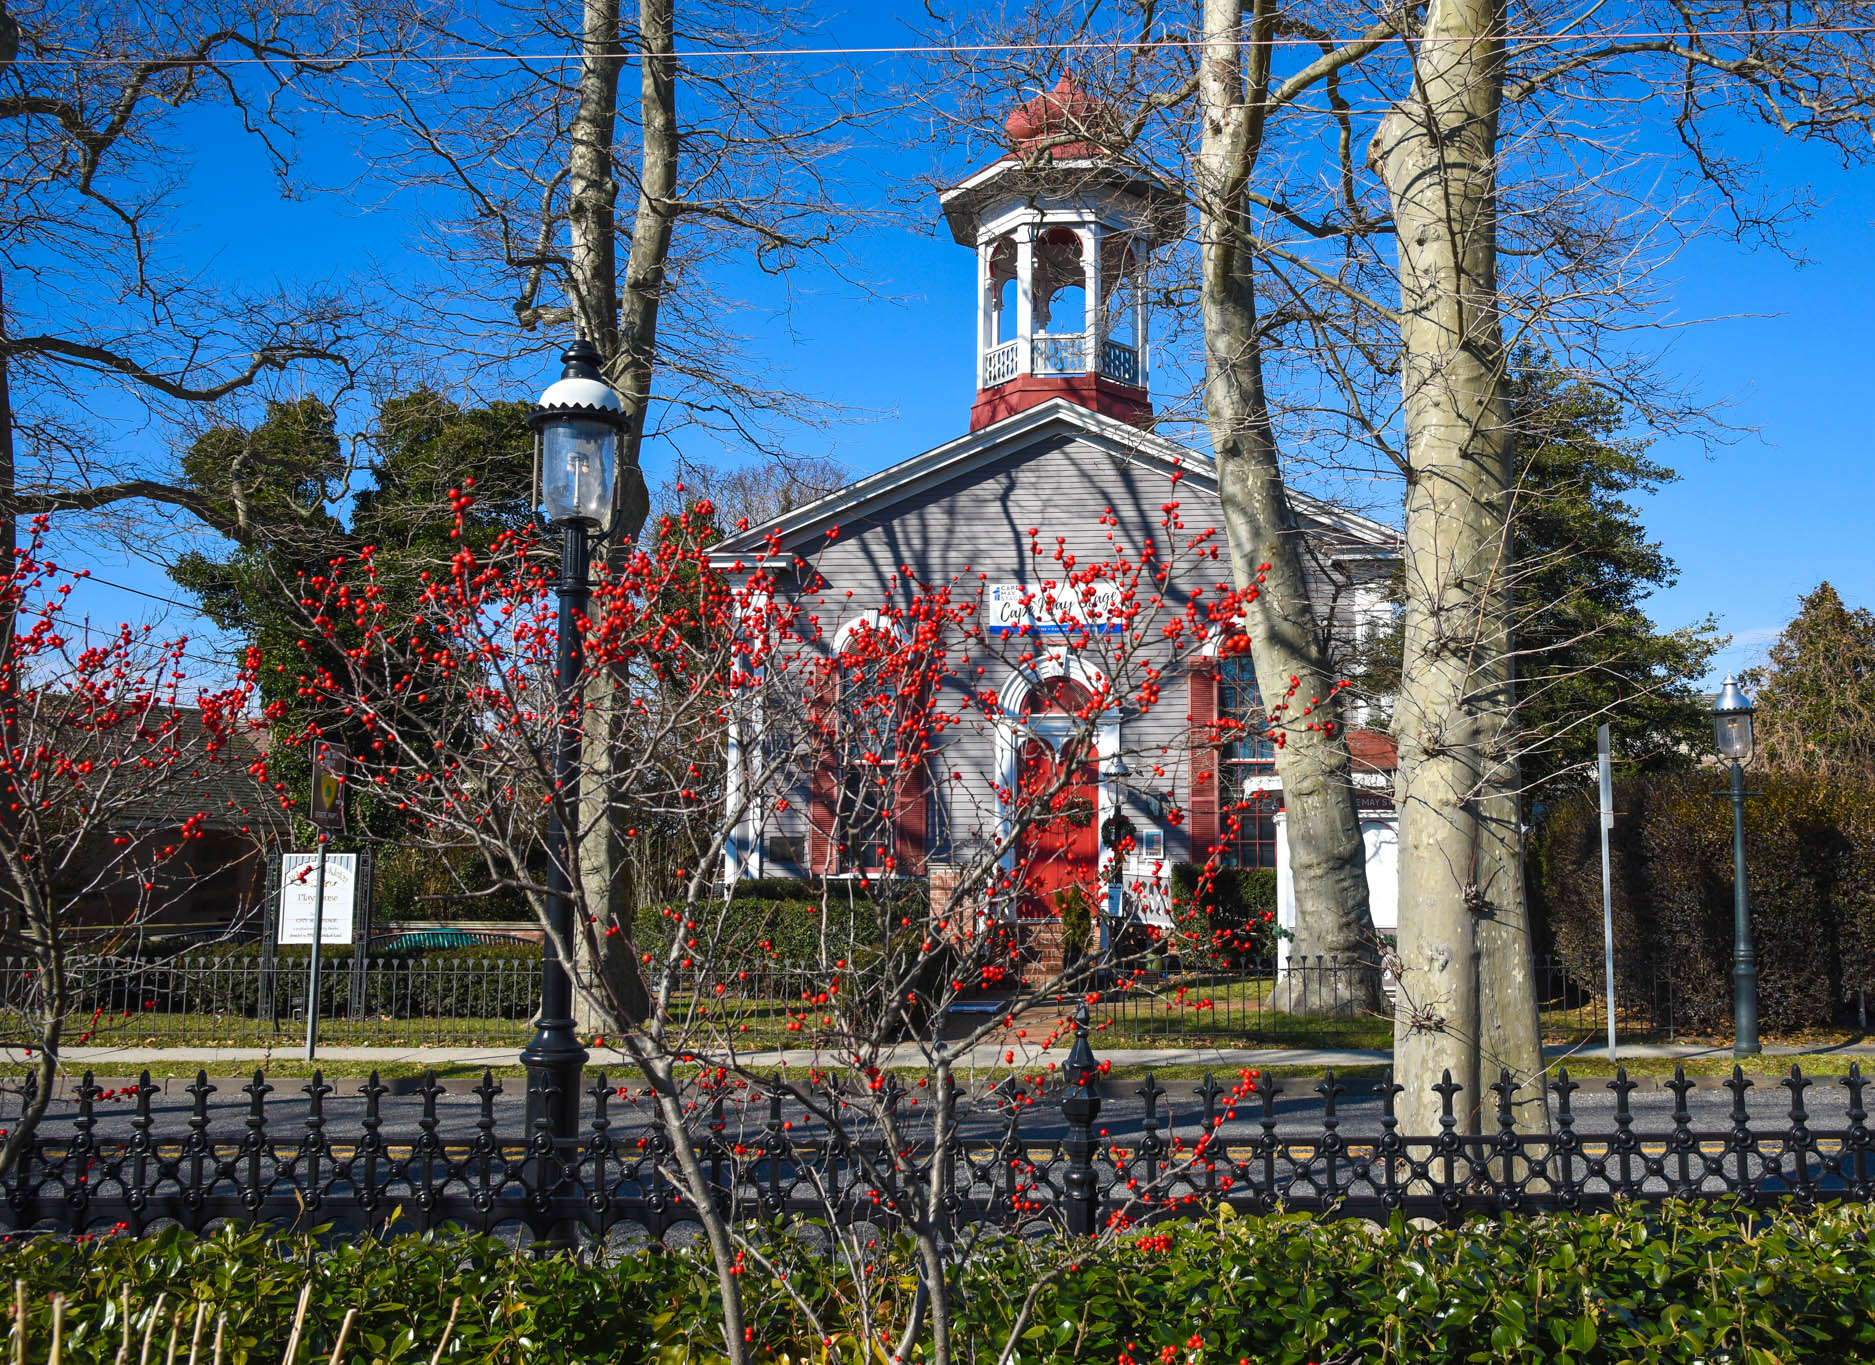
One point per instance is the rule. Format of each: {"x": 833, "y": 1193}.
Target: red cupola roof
{"x": 1067, "y": 111}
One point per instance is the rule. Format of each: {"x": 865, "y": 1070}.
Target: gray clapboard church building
{"x": 1060, "y": 447}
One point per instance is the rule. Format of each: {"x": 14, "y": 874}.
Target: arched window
{"x": 1002, "y": 286}
{"x": 1058, "y": 696}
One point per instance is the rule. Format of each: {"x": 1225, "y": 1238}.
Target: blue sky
{"x": 1752, "y": 523}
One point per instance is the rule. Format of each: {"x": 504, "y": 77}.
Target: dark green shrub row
{"x": 1810, "y": 857}
{"x": 777, "y": 889}
{"x": 1677, "y": 1285}
{"x": 514, "y": 1308}
{"x": 1235, "y": 915}
{"x": 808, "y": 936}
{"x": 750, "y": 927}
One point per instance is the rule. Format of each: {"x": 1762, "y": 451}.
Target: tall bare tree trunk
{"x": 1466, "y": 1002}
{"x": 622, "y": 324}
{"x": 1326, "y": 854}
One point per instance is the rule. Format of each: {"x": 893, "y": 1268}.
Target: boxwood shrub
{"x": 798, "y": 938}
{"x": 1237, "y": 911}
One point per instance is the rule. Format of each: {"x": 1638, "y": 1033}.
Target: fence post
{"x": 1081, "y": 1106}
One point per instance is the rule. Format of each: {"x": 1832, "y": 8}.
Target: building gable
{"x": 1130, "y": 463}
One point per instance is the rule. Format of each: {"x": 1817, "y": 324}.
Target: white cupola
{"x": 1062, "y": 229}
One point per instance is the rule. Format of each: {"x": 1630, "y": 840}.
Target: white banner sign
{"x": 1059, "y": 609}
{"x": 299, "y": 875}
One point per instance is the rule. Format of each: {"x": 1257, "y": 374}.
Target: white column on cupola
{"x": 1139, "y": 319}
{"x": 986, "y": 312}
{"x": 1092, "y": 313}
{"x": 1025, "y": 299}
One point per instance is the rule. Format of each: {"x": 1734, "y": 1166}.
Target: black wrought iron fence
{"x": 862, "y": 1157}
{"x": 240, "y": 1000}
{"x": 232, "y": 999}
{"x": 1173, "y": 1002}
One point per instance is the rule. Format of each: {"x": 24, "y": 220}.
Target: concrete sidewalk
{"x": 1019, "y": 1055}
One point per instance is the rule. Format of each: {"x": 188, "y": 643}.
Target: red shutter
{"x": 908, "y": 817}
{"x": 823, "y": 785}
{"x": 1201, "y": 698}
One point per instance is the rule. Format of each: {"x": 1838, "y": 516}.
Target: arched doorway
{"x": 1058, "y": 802}
{"x": 1059, "y": 845}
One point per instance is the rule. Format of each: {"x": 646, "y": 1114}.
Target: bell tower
{"x": 1062, "y": 230}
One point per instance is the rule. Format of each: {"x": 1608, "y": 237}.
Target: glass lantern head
{"x": 1731, "y": 722}
{"x": 577, "y": 425}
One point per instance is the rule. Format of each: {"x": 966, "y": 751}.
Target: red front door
{"x": 1060, "y": 846}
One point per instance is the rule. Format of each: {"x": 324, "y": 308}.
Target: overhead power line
{"x": 87, "y": 576}
{"x": 976, "y": 49}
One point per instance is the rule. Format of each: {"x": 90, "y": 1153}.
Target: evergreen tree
{"x": 289, "y": 469}
{"x": 1590, "y": 652}
{"x": 1582, "y": 567}
{"x": 1816, "y": 696}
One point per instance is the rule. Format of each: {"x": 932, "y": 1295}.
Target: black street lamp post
{"x": 576, "y": 426}
{"x": 1731, "y": 717}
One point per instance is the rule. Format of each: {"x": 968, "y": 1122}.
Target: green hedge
{"x": 758, "y": 923}
{"x": 1678, "y": 1285}
{"x": 860, "y": 925}
{"x": 1237, "y": 912}
{"x": 1810, "y": 859}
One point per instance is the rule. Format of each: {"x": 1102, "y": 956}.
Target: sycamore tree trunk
{"x": 620, "y": 319}
{"x": 1466, "y": 1003}
{"x": 1326, "y": 854}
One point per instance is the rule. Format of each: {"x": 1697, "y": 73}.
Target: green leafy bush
{"x": 860, "y": 926}
{"x": 513, "y": 1308}
{"x": 1670, "y": 1286}
{"x": 445, "y": 885}
{"x": 1810, "y": 858}
{"x": 1236, "y": 909}
{"x": 777, "y": 889}
{"x": 788, "y": 929}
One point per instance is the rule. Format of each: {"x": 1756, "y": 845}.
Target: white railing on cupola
{"x": 1002, "y": 364}
{"x": 1120, "y": 362}
{"x": 1063, "y": 354}
{"x": 1026, "y": 348}
{"x": 1057, "y": 355}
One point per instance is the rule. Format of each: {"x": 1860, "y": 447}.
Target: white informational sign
{"x": 1056, "y": 609}
{"x": 298, "y": 878}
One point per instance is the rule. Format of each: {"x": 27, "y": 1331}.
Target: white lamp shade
{"x": 576, "y": 460}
